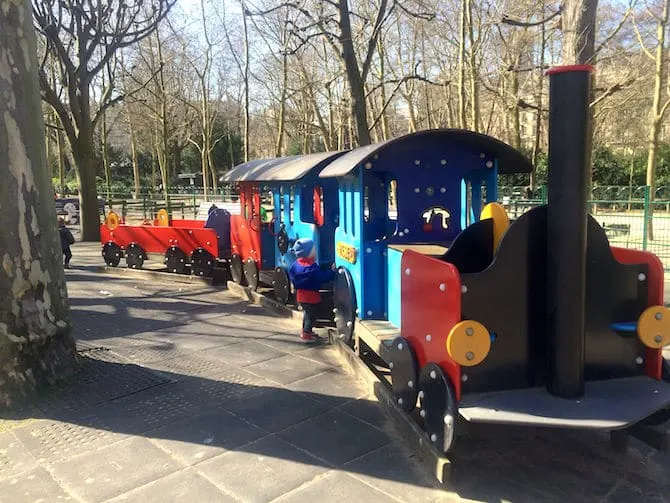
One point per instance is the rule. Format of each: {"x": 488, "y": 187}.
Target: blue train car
{"x": 298, "y": 205}
{"x": 419, "y": 192}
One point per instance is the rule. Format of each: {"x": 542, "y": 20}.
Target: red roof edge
{"x": 569, "y": 68}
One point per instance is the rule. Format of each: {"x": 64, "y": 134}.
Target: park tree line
{"x": 137, "y": 92}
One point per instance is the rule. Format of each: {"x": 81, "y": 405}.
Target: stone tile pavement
{"x": 186, "y": 393}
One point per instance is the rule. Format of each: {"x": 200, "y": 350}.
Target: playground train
{"x": 537, "y": 322}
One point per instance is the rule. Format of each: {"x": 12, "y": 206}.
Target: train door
{"x": 373, "y": 246}
{"x": 325, "y": 216}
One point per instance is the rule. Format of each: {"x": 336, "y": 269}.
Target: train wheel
{"x": 344, "y": 302}
{"x": 202, "y": 263}
{"x": 135, "y": 256}
{"x": 251, "y": 273}
{"x": 281, "y": 285}
{"x": 237, "y": 269}
{"x": 111, "y": 252}
{"x": 175, "y": 260}
{"x": 438, "y": 406}
{"x": 404, "y": 373}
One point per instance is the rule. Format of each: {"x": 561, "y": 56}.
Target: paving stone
{"x": 99, "y": 378}
{"x": 14, "y": 457}
{"x": 368, "y": 410}
{"x": 251, "y": 326}
{"x": 148, "y": 410}
{"x": 335, "y": 437}
{"x": 54, "y": 441}
{"x": 103, "y": 474}
{"x": 262, "y": 471}
{"x": 334, "y": 387}
{"x": 276, "y": 408}
{"x": 178, "y": 487}
{"x": 244, "y": 354}
{"x": 288, "y": 342}
{"x": 287, "y": 369}
{"x": 324, "y": 353}
{"x": 205, "y": 436}
{"x": 392, "y": 471}
{"x": 336, "y": 487}
{"x": 34, "y": 485}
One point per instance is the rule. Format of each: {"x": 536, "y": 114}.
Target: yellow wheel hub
{"x": 163, "y": 218}
{"x": 468, "y": 343}
{"x": 653, "y": 327}
{"x": 112, "y": 221}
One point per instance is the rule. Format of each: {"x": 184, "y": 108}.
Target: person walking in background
{"x": 308, "y": 278}
{"x": 66, "y": 239}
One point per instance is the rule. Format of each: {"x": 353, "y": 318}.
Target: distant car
{"x": 69, "y": 208}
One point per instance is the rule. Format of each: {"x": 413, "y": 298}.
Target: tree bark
{"x": 246, "y": 83}
{"x": 657, "y": 109}
{"x": 36, "y": 345}
{"x": 579, "y": 34}
{"x": 133, "y": 157}
{"x": 354, "y": 77}
{"x": 461, "y": 66}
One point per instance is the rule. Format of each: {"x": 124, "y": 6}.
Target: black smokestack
{"x": 569, "y": 143}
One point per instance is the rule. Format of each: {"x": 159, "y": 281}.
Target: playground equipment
{"x": 200, "y": 244}
{"x": 300, "y": 205}
{"x": 538, "y": 322}
{"x": 535, "y": 322}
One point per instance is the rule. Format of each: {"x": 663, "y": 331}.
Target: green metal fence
{"x": 630, "y": 217}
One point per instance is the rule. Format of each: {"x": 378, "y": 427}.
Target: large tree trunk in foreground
{"x": 35, "y": 341}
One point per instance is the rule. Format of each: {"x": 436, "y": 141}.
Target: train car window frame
{"x": 366, "y": 203}
{"x": 291, "y": 205}
{"x": 318, "y": 206}
{"x": 281, "y": 204}
{"x": 392, "y": 189}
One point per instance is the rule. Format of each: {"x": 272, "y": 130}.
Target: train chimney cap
{"x": 570, "y": 68}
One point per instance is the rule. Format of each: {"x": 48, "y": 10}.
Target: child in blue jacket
{"x": 308, "y": 278}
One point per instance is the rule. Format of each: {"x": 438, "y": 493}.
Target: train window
{"x": 291, "y": 206}
{"x": 318, "y": 206}
{"x": 281, "y": 204}
{"x": 468, "y": 203}
{"x": 366, "y": 204}
{"x": 392, "y": 200}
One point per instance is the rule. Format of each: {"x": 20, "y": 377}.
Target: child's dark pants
{"x": 308, "y": 317}
{"x": 68, "y": 255}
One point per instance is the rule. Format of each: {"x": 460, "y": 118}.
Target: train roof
{"x": 279, "y": 169}
{"x": 509, "y": 159}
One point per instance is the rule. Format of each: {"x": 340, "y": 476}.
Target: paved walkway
{"x": 186, "y": 393}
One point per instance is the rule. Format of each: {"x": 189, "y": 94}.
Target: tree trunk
{"x": 472, "y": 63}
{"x": 246, "y": 84}
{"x": 513, "y": 110}
{"x": 461, "y": 67}
{"x": 354, "y": 77}
{"x": 657, "y": 111}
{"x": 61, "y": 158}
{"x": 105, "y": 156}
{"x": 579, "y": 29}
{"x": 282, "y": 105}
{"x": 85, "y": 166}
{"x": 133, "y": 156}
{"x": 36, "y": 345}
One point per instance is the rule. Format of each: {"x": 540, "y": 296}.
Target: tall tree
{"x": 35, "y": 340}
{"x": 660, "y": 103}
{"x": 83, "y": 36}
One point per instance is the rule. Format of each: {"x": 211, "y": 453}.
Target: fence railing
{"x": 630, "y": 222}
